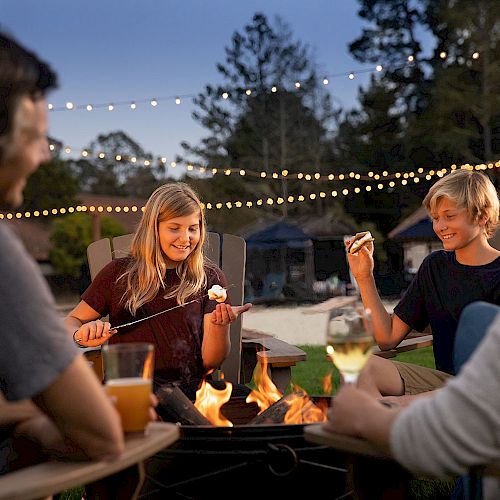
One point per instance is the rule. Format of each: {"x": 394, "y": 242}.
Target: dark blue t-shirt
{"x": 438, "y": 294}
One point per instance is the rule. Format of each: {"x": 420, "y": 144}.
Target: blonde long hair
{"x": 146, "y": 272}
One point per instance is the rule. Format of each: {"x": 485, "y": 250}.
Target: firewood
{"x": 175, "y": 406}
{"x": 274, "y": 414}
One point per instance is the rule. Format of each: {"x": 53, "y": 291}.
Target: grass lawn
{"x": 309, "y": 374}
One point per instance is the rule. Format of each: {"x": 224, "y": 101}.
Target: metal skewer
{"x": 151, "y": 316}
{"x": 156, "y": 314}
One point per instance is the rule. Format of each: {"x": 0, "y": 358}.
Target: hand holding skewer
{"x": 95, "y": 333}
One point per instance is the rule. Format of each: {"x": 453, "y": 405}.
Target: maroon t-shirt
{"x": 177, "y": 335}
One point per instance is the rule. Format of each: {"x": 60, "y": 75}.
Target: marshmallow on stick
{"x": 217, "y": 293}
{"x": 359, "y": 241}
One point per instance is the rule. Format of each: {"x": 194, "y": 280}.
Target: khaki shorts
{"x": 417, "y": 379}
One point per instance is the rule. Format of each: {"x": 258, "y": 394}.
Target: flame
{"x": 210, "y": 400}
{"x": 301, "y": 409}
{"x": 266, "y": 392}
{"x": 327, "y": 383}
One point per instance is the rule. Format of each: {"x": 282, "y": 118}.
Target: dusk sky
{"x": 109, "y": 51}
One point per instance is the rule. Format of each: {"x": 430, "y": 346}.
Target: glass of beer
{"x": 128, "y": 375}
{"x": 349, "y": 339}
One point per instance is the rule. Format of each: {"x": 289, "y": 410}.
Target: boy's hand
{"x": 361, "y": 263}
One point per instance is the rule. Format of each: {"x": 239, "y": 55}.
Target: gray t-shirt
{"x": 34, "y": 345}
{"x": 459, "y": 426}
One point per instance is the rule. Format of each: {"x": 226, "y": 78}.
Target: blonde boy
{"x": 464, "y": 208}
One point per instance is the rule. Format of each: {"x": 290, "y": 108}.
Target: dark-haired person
{"x": 42, "y": 411}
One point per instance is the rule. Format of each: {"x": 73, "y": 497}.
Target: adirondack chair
{"x": 120, "y": 478}
{"x": 247, "y": 347}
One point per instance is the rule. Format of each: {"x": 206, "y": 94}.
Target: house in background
{"x": 289, "y": 258}
{"x": 35, "y": 232}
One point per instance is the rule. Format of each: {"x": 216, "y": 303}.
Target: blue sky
{"x": 108, "y": 51}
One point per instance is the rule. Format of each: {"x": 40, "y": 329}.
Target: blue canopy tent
{"x": 280, "y": 262}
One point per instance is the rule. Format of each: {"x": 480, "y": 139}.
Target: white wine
{"x": 349, "y": 354}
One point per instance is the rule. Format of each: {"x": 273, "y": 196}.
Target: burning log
{"x": 275, "y": 413}
{"x": 175, "y": 406}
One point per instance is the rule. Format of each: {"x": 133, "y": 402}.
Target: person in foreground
{"x": 42, "y": 410}
{"x": 453, "y": 430}
{"x": 166, "y": 269}
{"x": 464, "y": 208}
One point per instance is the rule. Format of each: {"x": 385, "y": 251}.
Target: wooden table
{"x": 374, "y": 473}
{"x": 125, "y": 474}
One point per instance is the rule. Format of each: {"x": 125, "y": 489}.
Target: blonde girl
{"x": 166, "y": 268}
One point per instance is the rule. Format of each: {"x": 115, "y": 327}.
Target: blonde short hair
{"x": 471, "y": 190}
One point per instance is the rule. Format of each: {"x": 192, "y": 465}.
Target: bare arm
{"x": 389, "y": 330}
{"x": 216, "y": 341}
{"x": 14, "y": 413}
{"x": 82, "y": 413}
{"x": 90, "y": 330}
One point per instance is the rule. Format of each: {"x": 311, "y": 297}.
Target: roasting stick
{"x": 155, "y": 314}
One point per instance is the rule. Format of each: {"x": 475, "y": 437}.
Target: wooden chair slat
{"x": 98, "y": 255}
{"x": 233, "y": 261}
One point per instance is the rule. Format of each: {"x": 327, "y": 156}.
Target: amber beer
{"x": 132, "y": 401}
{"x": 128, "y": 373}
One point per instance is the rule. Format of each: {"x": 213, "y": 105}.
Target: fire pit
{"x": 244, "y": 461}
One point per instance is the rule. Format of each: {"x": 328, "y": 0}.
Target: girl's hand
{"x": 93, "y": 333}
{"x": 361, "y": 263}
{"x": 225, "y": 314}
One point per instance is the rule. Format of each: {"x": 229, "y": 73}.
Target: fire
{"x": 297, "y": 406}
{"x": 302, "y": 410}
{"x": 266, "y": 393}
{"x": 327, "y": 383}
{"x": 209, "y": 402}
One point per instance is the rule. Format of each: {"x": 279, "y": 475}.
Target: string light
{"x": 229, "y": 204}
{"x": 177, "y": 99}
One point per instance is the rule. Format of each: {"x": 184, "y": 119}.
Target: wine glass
{"x": 349, "y": 339}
